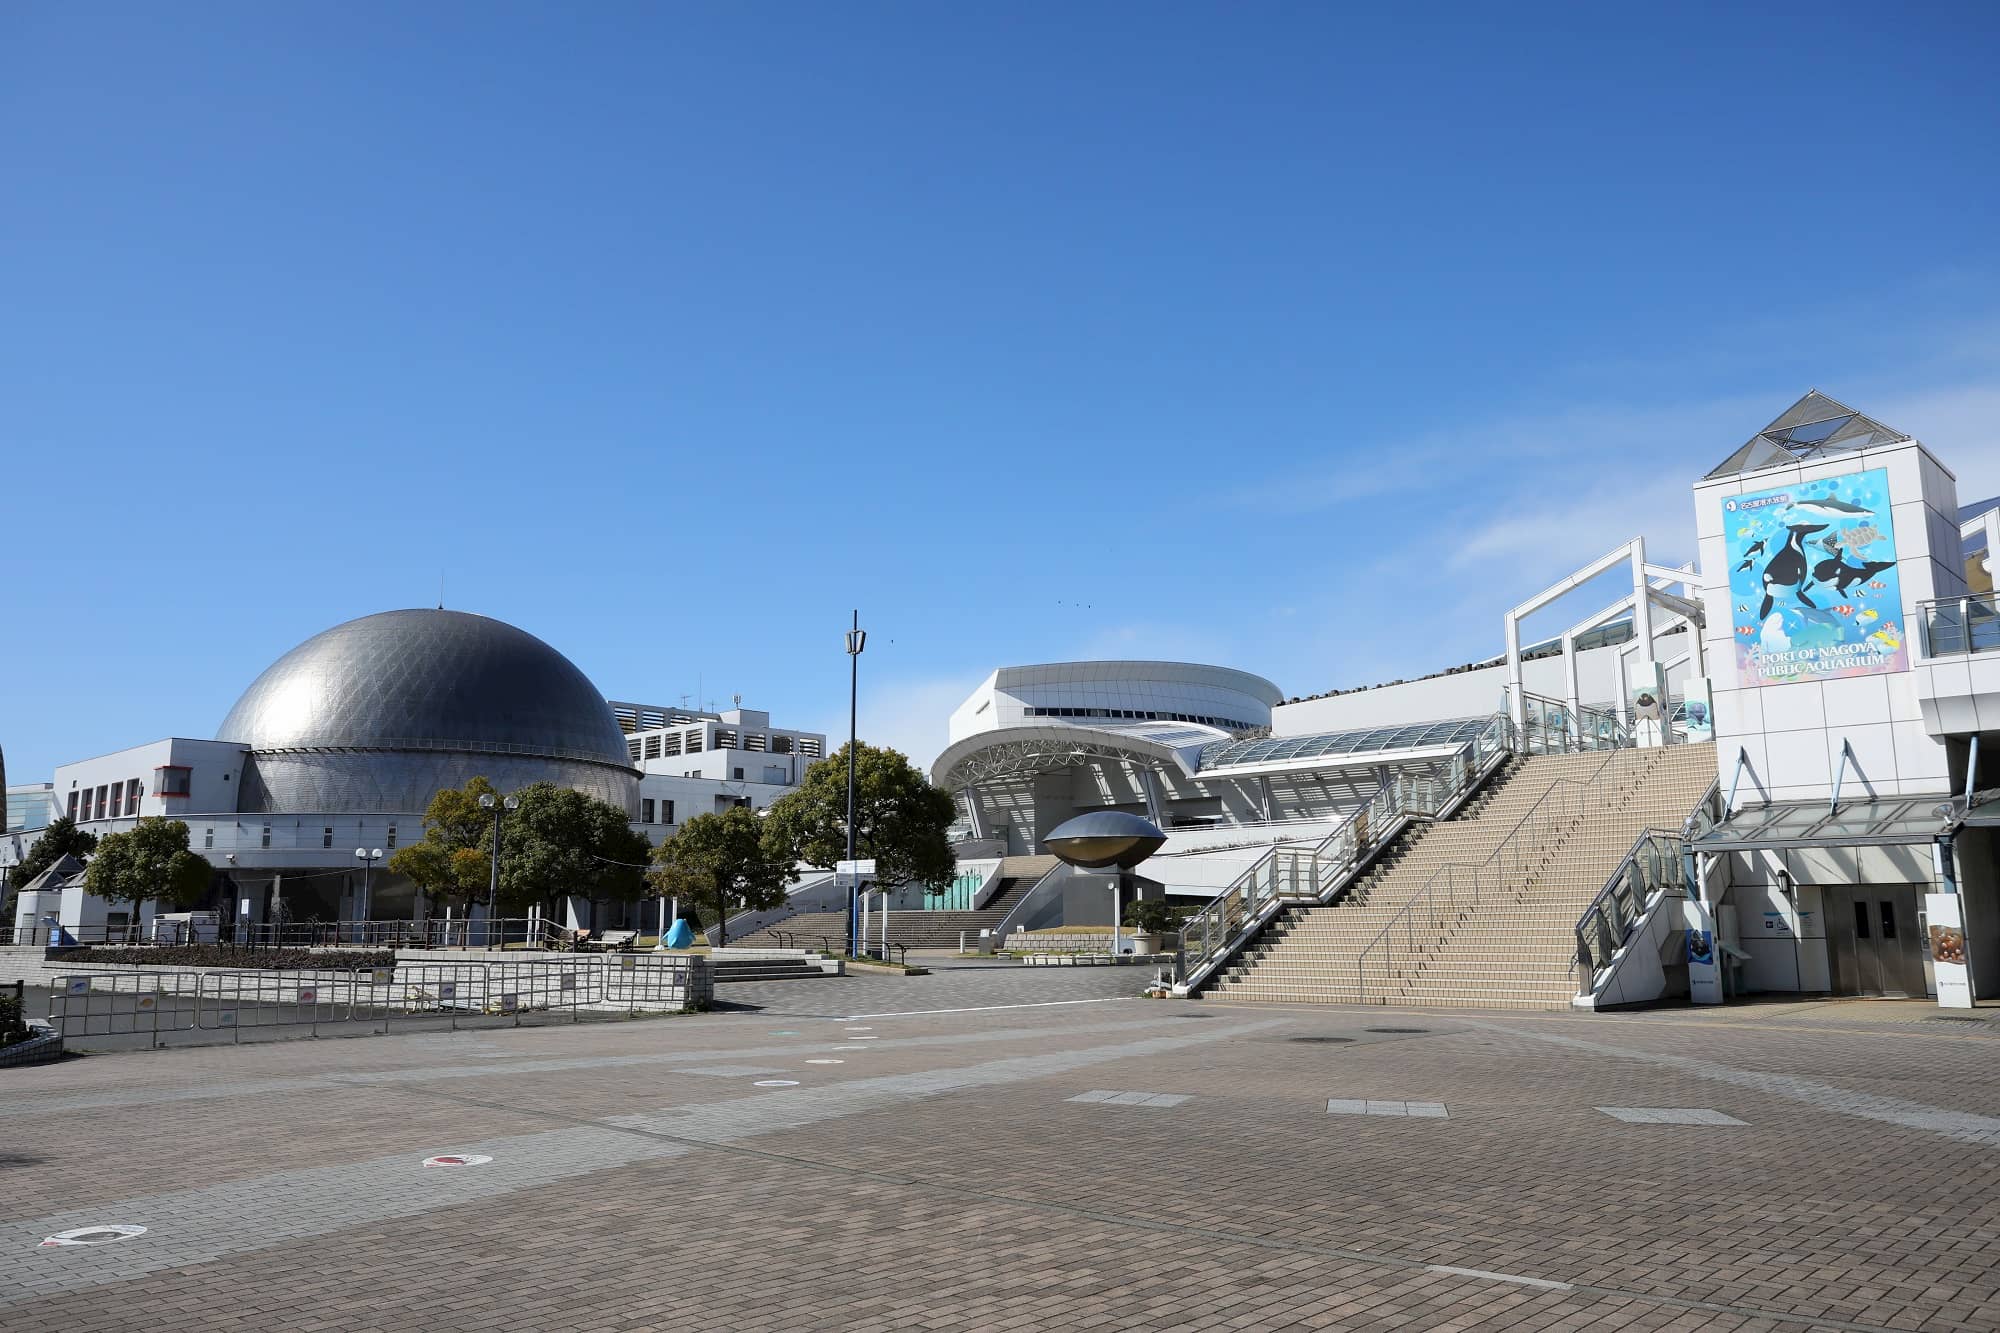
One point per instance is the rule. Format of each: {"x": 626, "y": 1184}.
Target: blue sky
{"x": 1294, "y": 339}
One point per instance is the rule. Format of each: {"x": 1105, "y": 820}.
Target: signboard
{"x": 76, "y": 986}
{"x": 1945, "y": 934}
{"x": 447, "y": 990}
{"x": 1697, "y": 710}
{"x": 1813, "y": 589}
{"x": 1704, "y": 963}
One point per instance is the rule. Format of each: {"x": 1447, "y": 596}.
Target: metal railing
{"x": 1653, "y": 866}
{"x": 435, "y": 933}
{"x": 1661, "y": 861}
{"x": 176, "y": 1006}
{"x": 1550, "y": 727}
{"x": 1296, "y": 875}
{"x": 1956, "y": 626}
{"x": 1457, "y": 888}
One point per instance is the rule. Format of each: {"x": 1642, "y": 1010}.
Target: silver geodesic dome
{"x": 380, "y": 713}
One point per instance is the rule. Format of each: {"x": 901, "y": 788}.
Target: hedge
{"x": 229, "y": 955}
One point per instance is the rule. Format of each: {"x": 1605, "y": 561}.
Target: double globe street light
{"x": 490, "y": 802}
{"x": 368, "y": 856}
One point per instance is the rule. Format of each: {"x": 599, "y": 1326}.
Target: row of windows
{"x": 648, "y": 808}
{"x": 667, "y": 745}
{"x": 1140, "y": 715}
{"x": 109, "y": 801}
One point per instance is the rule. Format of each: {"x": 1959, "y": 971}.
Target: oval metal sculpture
{"x": 1105, "y": 838}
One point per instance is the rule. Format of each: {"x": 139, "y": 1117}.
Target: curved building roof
{"x": 427, "y": 680}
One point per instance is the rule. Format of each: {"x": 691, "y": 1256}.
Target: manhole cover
{"x": 1322, "y": 1041}
{"x": 105, "y": 1235}
{"x": 459, "y": 1159}
{"x": 1397, "y": 1030}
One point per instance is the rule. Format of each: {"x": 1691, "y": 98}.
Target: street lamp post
{"x": 857, "y": 639}
{"x": 368, "y": 857}
{"x": 489, "y": 802}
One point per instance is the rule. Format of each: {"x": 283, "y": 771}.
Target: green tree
{"x": 725, "y": 863}
{"x": 900, "y": 820}
{"x": 562, "y": 841}
{"x": 151, "y": 861}
{"x": 61, "y": 838}
{"x": 454, "y": 860}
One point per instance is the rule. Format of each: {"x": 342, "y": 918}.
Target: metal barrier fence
{"x": 169, "y": 1006}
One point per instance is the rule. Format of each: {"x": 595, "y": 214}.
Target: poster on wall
{"x": 1812, "y": 581}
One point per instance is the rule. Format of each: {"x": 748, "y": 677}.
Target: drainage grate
{"x": 1192, "y": 1015}
{"x": 1322, "y": 1041}
{"x": 1935, "y": 1018}
{"x": 1410, "y": 1031}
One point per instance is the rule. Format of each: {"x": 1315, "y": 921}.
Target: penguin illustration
{"x": 1754, "y": 550}
{"x": 1840, "y": 574}
{"x": 1788, "y": 567}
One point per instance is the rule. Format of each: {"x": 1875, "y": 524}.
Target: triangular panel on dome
{"x": 1816, "y": 426}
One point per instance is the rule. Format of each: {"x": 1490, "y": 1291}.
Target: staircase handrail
{"x": 1620, "y": 907}
{"x": 1652, "y": 864}
{"x": 1450, "y": 874}
{"x": 1219, "y": 927}
{"x": 1606, "y": 730}
{"x": 1006, "y": 924}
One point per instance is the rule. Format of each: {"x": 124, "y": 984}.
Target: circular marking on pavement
{"x": 101, "y": 1235}
{"x": 826, "y": 1062}
{"x": 1409, "y": 1030}
{"x": 861, "y": 1029}
{"x": 1322, "y": 1041}
{"x": 861, "y": 1038}
{"x": 776, "y": 1083}
{"x": 459, "y": 1159}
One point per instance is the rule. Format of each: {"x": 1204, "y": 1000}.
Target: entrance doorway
{"x": 1872, "y": 940}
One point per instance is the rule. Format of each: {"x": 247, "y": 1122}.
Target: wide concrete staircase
{"x": 806, "y": 930}
{"x": 941, "y": 930}
{"x": 1506, "y": 937}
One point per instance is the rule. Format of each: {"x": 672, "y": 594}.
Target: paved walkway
{"x": 1087, "y": 1162}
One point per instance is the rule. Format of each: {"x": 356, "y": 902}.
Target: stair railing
{"x": 1661, "y": 861}
{"x": 1284, "y": 875}
{"x": 1458, "y": 887}
{"x": 1651, "y": 867}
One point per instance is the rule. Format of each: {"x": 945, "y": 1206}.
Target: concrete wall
{"x": 1469, "y": 693}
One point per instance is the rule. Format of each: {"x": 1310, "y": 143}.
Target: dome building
{"x": 380, "y": 713}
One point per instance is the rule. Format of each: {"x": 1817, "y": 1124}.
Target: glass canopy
{"x": 1271, "y": 749}
{"x": 1892, "y": 820}
{"x": 1816, "y": 426}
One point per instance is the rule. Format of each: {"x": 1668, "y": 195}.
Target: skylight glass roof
{"x": 1272, "y": 749}
{"x": 1816, "y": 426}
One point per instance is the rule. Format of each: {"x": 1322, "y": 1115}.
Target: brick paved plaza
{"x": 837, "y": 1158}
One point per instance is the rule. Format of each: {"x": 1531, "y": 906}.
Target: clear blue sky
{"x": 1293, "y": 339}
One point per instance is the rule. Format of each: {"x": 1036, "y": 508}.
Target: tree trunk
{"x": 721, "y": 917}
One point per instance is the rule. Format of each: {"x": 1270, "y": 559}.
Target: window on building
{"x": 103, "y": 794}
{"x": 267, "y": 835}
{"x": 72, "y": 806}
{"x": 810, "y": 746}
{"x": 207, "y": 838}
{"x": 725, "y": 740}
{"x": 781, "y": 745}
{"x": 670, "y": 745}
{"x": 754, "y": 741}
{"x": 632, "y": 748}
{"x": 172, "y": 780}
{"x": 666, "y": 812}
{"x": 652, "y": 749}
{"x": 391, "y": 844}
{"x": 132, "y": 797}
{"x": 326, "y": 837}
{"x": 694, "y": 742}
{"x": 645, "y": 810}
{"x": 738, "y": 772}
{"x": 117, "y": 799}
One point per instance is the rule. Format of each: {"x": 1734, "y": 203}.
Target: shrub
{"x": 1156, "y": 915}
{"x": 13, "y": 1027}
{"x": 229, "y": 955}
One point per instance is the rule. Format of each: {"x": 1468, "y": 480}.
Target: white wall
{"x": 1471, "y": 693}
{"x": 1162, "y": 688}
{"x": 215, "y": 773}
{"x": 1793, "y": 732}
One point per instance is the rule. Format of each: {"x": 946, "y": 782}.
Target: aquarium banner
{"x": 1812, "y": 580}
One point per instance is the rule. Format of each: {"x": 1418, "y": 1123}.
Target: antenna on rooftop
{"x": 440, "y": 590}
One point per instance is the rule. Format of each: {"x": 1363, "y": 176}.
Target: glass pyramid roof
{"x": 1816, "y": 426}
